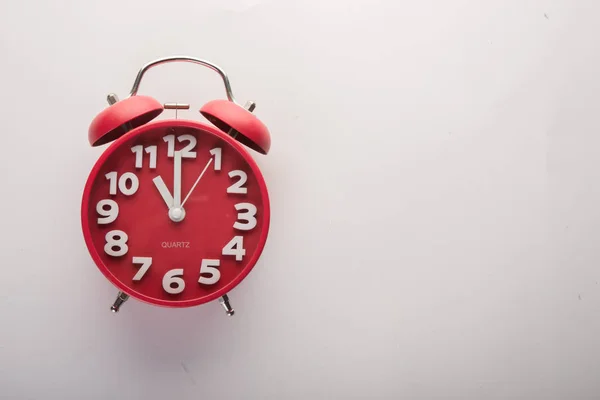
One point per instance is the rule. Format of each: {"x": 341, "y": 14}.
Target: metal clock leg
{"x": 121, "y": 298}
{"x": 225, "y": 303}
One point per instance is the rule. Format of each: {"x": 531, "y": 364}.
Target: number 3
{"x": 248, "y": 216}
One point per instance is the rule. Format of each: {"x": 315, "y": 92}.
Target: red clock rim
{"x": 136, "y": 132}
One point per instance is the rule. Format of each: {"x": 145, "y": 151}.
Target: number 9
{"x": 108, "y": 215}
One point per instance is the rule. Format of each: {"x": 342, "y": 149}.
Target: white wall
{"x": 435, "y": 184}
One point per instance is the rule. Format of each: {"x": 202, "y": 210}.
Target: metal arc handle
{"x": 145, "y": 68}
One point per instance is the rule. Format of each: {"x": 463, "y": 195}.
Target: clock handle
{"x": 194, "y": 60}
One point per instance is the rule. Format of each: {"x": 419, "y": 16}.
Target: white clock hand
{"x": 164, "y": 192}
{"x": 177, "y": 181}
{"x": 176, "y": 211}
{"x": 197, "y": 180}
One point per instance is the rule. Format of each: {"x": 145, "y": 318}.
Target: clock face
{"x": 175, "y": 213}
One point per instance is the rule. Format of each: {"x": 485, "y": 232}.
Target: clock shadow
{"x": 196, "y": 335}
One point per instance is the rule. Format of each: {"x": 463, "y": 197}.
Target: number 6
{"x": 171, "y": 278}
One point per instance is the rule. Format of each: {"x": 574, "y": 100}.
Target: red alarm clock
{"x": 176, "y": 212}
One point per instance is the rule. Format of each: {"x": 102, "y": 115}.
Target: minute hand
{"x": 197, "y": 180}
{"x": 177, "y": 180}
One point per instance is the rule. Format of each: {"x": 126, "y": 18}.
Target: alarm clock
{"x": 175, "y": 212}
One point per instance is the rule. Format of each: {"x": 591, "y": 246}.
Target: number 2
{"x": 237, "y": 187}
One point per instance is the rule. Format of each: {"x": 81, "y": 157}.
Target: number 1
{"x": 216, "y": 152}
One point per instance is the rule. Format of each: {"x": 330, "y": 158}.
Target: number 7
{"x": 146, "y": 263}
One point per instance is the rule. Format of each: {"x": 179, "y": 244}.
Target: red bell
{"x": 238, "y": 122}
{"x": 121, "y": 117}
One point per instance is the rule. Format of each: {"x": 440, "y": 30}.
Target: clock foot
{"x": 121, "y": 298}
{"x": 225, "y": 303}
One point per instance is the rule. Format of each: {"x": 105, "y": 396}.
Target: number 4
{"x": 235, "y": 247}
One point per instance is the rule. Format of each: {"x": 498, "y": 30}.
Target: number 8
{"x": 116, "y": 239}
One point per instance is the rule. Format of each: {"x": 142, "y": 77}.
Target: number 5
{"x": 208, "y": 267}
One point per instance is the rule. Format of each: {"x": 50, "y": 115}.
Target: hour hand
{"x": 164, "y": 192}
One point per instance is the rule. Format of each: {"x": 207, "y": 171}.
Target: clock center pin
{"x": 177, "y": 214}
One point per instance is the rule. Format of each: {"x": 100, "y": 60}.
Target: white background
{"x": 434, "y": 179}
